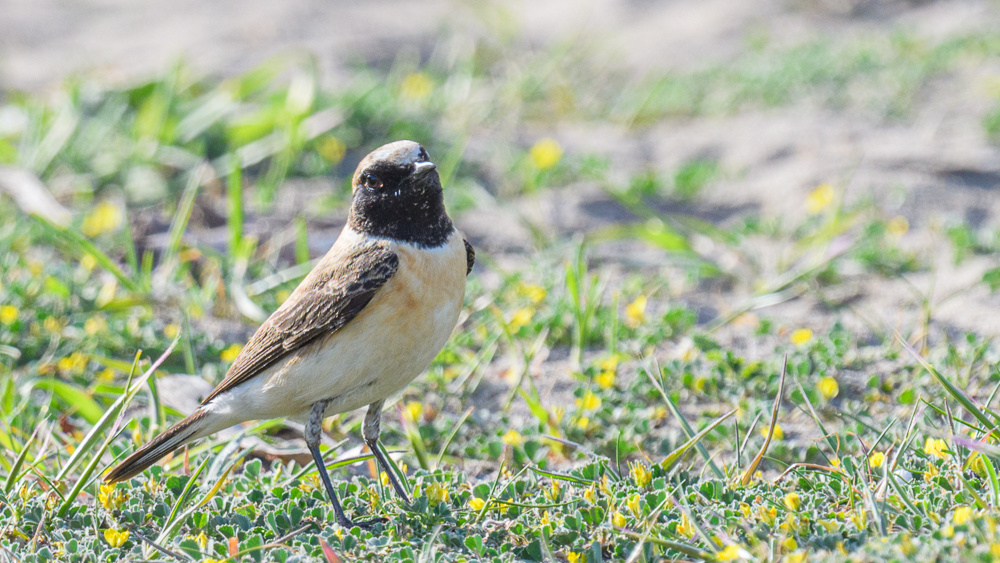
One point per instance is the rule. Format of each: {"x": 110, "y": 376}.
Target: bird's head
{"x": 397, "y": 194}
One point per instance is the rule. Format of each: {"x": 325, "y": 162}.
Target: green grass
{"x": 580, "y": 413}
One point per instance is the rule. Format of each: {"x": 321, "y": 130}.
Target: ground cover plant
{"x": 596, "y": 403}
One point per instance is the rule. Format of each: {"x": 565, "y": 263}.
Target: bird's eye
{"x": 424, "y": 157}
{"x": 370, "y": 181}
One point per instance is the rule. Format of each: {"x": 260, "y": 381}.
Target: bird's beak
{"x": 421, "y": 169}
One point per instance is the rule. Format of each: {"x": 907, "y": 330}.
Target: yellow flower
{"x": 801, "y": 336}
{"x": 413, "y": 411}
{"x": 522, "y": 317}
{"x": 589, "y": 401}
{"x": 897, "y": 226}
{"x": 635, "y": 312}
{"x": 819, "y": 199}
{"x": 110, "y": 498}
{"x": 590, "y": 495}
{"x": 949, "y": 531}
{"x": 534, "y": 293}
{"x": 859, "y": 519}
{"x": 201, "y": 539}
{"x": 745, "y": 509}
{"x": 790, "y": 544}
{"x": 171, "y": 331}
{"x": 876, "y": 459}
{"x": 828, "y": 387}
{"x": 512, "y": 438}
{"x": 731, "y": 552}
{"x": 574, "y": 557}
{"x": 931, "y": 472}
{"x": 555, "y": 491}
{"x": 52, "y": 325}
{"x": 476, "y": 503}
{"x": 779, "y": 434}
{"x": 685, "y": 528}
{"x": 618, "y": 520}
{"x": 436, "y": 494}
{"x": 8, "y": 314}
{"x": 545, "y": 154}
{"x": 935, "y": 447}
{"x": 115, "y": 538}
{"x": 995, "y": 550}
{"x": 640, "y": 474}
{"x": 792, "y": 501}
{"x": 633, "y": 506}
{"x": 105, "y": 375}
{"x": 74, "y": 363}
{"x": 767, "y": 514}
{"x": 331, "y": 149}
{"x": 962, "y": 515}
{"x": 605, "y": 379}
{"x": 95, "y": 325}
{"x": 416, "y": 86}
{"x": 230, "y": 354}
{"x": 105, "y": 217}
{"x": 978, "y": 464}
{"x": 583, "y": 423}
{"x": 88, "y": 262}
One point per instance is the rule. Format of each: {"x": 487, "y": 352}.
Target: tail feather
{"x": 176, "y": 436}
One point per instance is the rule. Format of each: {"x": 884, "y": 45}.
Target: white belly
{"x": 392, "y": 340}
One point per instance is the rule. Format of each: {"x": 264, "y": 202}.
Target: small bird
{"x": 365, "y": 322}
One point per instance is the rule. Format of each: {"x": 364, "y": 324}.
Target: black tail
{"x": 175, "y": 437}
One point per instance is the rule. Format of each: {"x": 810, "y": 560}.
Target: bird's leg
{"x": 313, "y": 432}
{"x": 371, "y": 430}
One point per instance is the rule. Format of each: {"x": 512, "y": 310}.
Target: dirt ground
{"x": 934, "y": 167}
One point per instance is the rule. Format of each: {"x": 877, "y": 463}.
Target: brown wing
{"x": 330, "y": 296}
{"x": 470, "y": 257}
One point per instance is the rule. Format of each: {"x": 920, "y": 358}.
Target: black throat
{"x": 413, "y": 214}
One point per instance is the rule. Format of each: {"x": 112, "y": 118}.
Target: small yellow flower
{"x": 876, "y": 459}
{"x": 520, "y": 318}
{"x": 589, "y": 401}
{"x": 767, "y": 514}
{"x": 796, "y": 557}
{"x": 574, "y": 557}
{"x": 685, "y": 528}
{"x": 949, "y": 531}
{"x": 230, "y": 354}
{"x": 88, "y": 262}
{"x": 545, "y": 154}
{"x": 74, "y": 363}
{"x": 583, "y": 423}
{"x": 95, "y": 325}
{"x": 935, "y": 447}
{"x": 171, "y": 331}
{"x": 995, "y": 550}
{"x": 555, "y": 491}
{"x": 618, "y": 520}
{"x": 53, "y": 325}
{"x": 605, "y": 379}
{"x": 801, "y": 336}
{"x": 201, "y": 539}
{"x": 745, "y": 509}
{"x": 332, "y": 149}
{"x": 633, "y": 506}
{"x": 105, "y": 375}
{"x": 534, "y": 293}
{"x": 978, "y": 464}
{"x": 790, "y": 544}
{"x": 545, "y": 519}
{"x": 779, "y": 433}
{"x": 590, "y": 494}
{"x": 105, "y": 217}
{"x": 828, "y": 387}
{"x": 962, "y": 515}
{"x": 413, "y": 411}
{"x": 819, "y": 199}
{"x": 115, "y": 538}
{"x": 476, "y": 503}
{"x": 859, "y": 519}
{"x": 897, "y": 226}
{"x": 792, "y": 501}
{"x": 731, "y": 552}
{"x": 436, "y": 494}
{"x": 110, "y": 498}
{"x": 8, "y": 314}
{"x": 640, "y": 474}
{"x": 635, "y": 312}
{"x": 416, "y": 86}
{"x": 931, "y": 472}
{"x": 512, "y": 438}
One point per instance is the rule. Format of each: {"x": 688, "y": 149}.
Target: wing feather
{"x": 327, "y": 299}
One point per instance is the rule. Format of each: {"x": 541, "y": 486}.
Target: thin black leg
{"x": 314, "y": 428}
{"x": 371, "y": 430}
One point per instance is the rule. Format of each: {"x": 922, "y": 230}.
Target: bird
{"x": 366, "y": 321}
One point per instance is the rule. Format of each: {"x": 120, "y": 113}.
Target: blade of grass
{"x": 676, "y": 455}
{"x": 770, "y": 430}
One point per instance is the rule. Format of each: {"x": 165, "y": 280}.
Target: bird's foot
{"x": 366, "y": 524}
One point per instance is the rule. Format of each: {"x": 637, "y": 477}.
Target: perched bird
{"x": 365, "y": 322}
